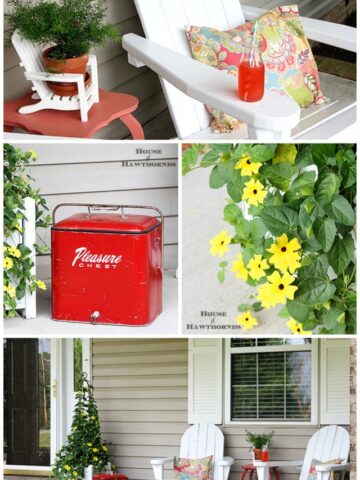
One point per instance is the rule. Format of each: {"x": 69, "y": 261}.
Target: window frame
{"x": 315, "y": 387}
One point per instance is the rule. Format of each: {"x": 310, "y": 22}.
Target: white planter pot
{"x": 88, "y": 473}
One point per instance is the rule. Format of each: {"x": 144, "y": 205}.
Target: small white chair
{"x": 328, "y": 443}
{"x": 31, "y": 60}
{"x": 199, "y": 441}
{"x": 188, "y": 84}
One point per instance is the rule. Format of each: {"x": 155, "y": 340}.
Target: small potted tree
{"x": 258, "y": 441}
{"x": 67, "y": 28}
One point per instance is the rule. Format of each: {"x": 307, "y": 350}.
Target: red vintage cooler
{"x": 107, "y": 267}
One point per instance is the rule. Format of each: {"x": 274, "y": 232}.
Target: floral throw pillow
{"x": 290, "y": 67}
{"x": 193, "y": 469}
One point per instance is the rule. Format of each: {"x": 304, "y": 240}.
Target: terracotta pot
{"x": 68, "y": 65}
{"x": 68, "y": 89}
{"x": 257, "y": 453}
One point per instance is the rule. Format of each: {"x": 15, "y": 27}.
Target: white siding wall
{"x": 141, "y": 390}
{"x": 98, "y": 173}
{"x": 115, "y": 73}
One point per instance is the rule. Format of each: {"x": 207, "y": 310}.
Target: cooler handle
{"x": 99, "y": 206}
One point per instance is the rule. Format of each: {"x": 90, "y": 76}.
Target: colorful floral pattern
{"x": 290, "y": 68}
{"x": 193, "y": 469}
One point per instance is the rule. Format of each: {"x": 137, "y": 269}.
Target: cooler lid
{"x": 108, "y": 222}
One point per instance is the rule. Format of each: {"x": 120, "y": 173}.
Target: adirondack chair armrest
{"x": 273, "y": 115}
{"x": 333, "y": 467}
{"x": 55, "y": 77}
{"x": 225, "y": 462}
{"x": 162, "y": 461}
{"x": 334, "y": 34}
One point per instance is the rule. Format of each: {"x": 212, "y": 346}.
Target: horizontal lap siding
{"x": 115, "y": 73}
{"x": 141, "y": 390}
{"x": 93, "y": 173}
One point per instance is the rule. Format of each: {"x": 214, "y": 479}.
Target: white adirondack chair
{"x": 199, "y": 441}
{"x": 188, "y": 84}
{"x": 328, "y": 443}
{"x": 31, "y": 60}
{"x": 27, "y": 305}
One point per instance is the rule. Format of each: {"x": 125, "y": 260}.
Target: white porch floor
{"x": 165, "y": 324}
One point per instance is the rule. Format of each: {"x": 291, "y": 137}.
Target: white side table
{"x": 263, "y": 468}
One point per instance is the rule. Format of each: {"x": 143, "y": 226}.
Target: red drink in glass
{"x": 264, "y": 455}
{"x": 251, "y": 81}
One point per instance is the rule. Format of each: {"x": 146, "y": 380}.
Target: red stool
{"x": 109, "y": 476}
{"x": 61, "y": 123}
{"x": 250, "y": 469}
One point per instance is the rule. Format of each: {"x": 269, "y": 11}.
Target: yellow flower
{"x": 14, "y": 252}
{"x": 10, "y": 291}
{"x": 95, "y": 450}
{"x": 95, "y": 459}
{"x": 247, "y": 167}
{"x": 285, "y": 254}
{"x": 4, "y": 249}
{"x": 89, "y": 444}
{"x": 296, "y": 327}
{"x": 40, "y": 284}
{"x": 239, "y": 267}
{"x": 18, "y": 227}
{"x": 93, "y": 417}
{"x": 247, "y": 320}
{"x": 104, "y": 448}
{"x": 254, "y": 192}
{"x": 7, "y": 263}
{"x": 84, "y": 414}
{"x": 256, "y": 267}
{"x": 67, "y": 467}
{"x": 75, "y": 473}
{"x": 219, "y": 244}
{"x": 74, "y": 428}
{"x": 277, "y": 290}
{"x": 33, "y": 154}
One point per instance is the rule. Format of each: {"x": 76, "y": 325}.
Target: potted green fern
{"x": 68, "y": 28}
{"x": 258, "y": 441}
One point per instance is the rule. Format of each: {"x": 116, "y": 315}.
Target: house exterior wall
{"x": 141, "y": 390}
{"x": 115, "y": 73}
{"x": 106, "y": 173}
{"x": 353, "y": 426}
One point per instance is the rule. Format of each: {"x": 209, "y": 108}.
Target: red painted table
{"x": 251, "y": 469}
{"x": 60, "y": 123}
{"x": 109, "y": 476}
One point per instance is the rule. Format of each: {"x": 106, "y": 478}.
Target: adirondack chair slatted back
{"x": 31, "y": 60}
{"x": 163, "y": 22}
{"x": 328, "y": 443}
{"x": 202, "y": 440}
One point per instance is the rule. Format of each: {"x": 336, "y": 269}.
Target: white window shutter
{"x": 335, "y": 381}
{"x": 205, "y": 381}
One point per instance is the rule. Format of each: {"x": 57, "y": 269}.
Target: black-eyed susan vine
{"x": 291, "y": 212}
{"x": 17, "y": 262}
{"x": 84, "y": 445}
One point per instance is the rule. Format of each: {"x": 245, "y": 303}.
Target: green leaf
{"x": 304, "y": 184}
{"x": 223, "y": 264}
{"x": 341, "y": 253}
{"x": 321, "y": 152}
{"x": 330, "y": 318}
{"x": 325, "y": 231}
{"x": 248, "y": 253}
{"x": 189, "y": 158}
{"x": 304, "y": 156}
{"x": 284, "y": 313}
{"x": 242, "y": 229}
{"x": 279, "y": 175}
{"x": 235, "y": 189}
{"x": 298, "y": 311}
{"x": 232, "y": 214}
{"x": 312, "y": 291}
{"x": 317, "y": 268}
{"x": 221, "y": 276}
{"x": 308, "y": 212}
{"x": 326, "y": 187}
{"x": 256, "y": 307}
{"x": 216, "y": 180}
{"x": 279, "y": 220}
{"x": 262, "y": 153}
{"x": 341, "y": 211}
{"x": 257, "y": 229}
{"x": 348, "y": 173}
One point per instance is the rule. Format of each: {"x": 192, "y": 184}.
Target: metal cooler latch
{"x": 94, "y": 316}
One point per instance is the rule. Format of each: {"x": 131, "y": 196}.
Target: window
{"x": 271, "y": 380}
